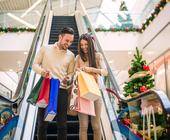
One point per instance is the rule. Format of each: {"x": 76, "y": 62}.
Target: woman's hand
{"x": 87, "y": 69}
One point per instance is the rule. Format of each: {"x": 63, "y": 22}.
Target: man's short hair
{"x": 67, "y": 30}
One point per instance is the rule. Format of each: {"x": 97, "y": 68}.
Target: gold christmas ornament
{"x": 160, "y": 8}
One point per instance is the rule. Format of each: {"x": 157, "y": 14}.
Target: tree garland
{"x": 153, "y": 15}
{"x": 15, "y": 29}
{"x": 117, "y": 30}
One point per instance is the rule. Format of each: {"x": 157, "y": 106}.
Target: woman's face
{"x": 84, "y": 46}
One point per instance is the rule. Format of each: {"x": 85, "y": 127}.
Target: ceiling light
{"x": 110, "y": 62}
{"x": 18, "y": 62}
{"x": 150, "y": 52}
{"x": 11, "y": 70}
{"x": 31, "y": 8}
{"x": 25, "y": 53}
{"x": 21, "y": 20}
{"x": 129, "y": 52}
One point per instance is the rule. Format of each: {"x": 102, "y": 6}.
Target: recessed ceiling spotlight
{"x": 25, "y": 53}
{"x": 150, "y": 52}
{"x": 18, "y": 62}
{"x": 111, "y": 61}
{"x": 11, "y": 70}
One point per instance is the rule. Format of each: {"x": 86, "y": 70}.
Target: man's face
{"x": 65, "y": 41}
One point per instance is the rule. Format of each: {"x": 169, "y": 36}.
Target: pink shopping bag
{"x": 85, "y": 106}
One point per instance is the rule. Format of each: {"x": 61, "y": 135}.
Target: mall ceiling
{"x": 12, "y": 5}
{"x": 8, "y": 5}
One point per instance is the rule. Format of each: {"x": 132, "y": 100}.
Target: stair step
{"x": 69, "y": 137}
{"x": 72, "y": 127}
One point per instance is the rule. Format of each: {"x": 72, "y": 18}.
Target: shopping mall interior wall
{"x": 155, "y": 39}
{"x": 118, "y": 41}
{"x": 16, "y": 41}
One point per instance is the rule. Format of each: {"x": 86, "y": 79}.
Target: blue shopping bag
{"x": 51, "y": 109}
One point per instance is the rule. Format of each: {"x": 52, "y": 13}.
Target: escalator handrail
{"x": 31, "y": 53}
{"x": 161, "y": 96}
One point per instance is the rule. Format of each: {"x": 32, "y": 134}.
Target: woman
{"x": 91, "y": 62}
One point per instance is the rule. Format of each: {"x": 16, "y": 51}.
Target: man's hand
{"x": 46, "y": 74}
{"x": 65, "y": 81}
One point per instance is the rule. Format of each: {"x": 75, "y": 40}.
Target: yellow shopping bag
{"x": 88, "y": 87}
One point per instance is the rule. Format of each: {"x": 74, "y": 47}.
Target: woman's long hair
{"x": 91, "y": 50}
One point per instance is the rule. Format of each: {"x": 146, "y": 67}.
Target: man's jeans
{"x": 61, "y": 118}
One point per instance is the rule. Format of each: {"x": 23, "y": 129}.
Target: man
{"x": 58, "y": 62}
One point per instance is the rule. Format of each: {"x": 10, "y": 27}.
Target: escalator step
{"x": 69, "y": 137}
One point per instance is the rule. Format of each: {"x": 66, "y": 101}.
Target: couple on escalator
{"x": 58, "y": 61}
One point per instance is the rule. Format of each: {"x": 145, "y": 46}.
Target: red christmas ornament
{"x": 112, "y": 29}
{"x": 146, "y": 68}
{"x": 143, "y": 88}
{"x": 139, "y": 135}
{"x": 127, "y": 121}
{"x": 127, "y": 29}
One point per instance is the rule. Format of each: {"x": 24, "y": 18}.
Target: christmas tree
{"x": 126, "y": 21}
{"x": 140, "y": 78}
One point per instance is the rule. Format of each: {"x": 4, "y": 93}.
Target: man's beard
{"x": 62, "y": 46}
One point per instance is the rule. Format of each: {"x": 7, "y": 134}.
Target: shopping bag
{"x": 51, "y": 109}
{"x": 84, "y": 106}
{"x": 72, "y": 103}
{"x": 32, "y": 98}
{"x": 43, "y": 97}
{"x": 88, "y": 86}
{"x": 72, "y": 97}
{"x": 100, "y": 82}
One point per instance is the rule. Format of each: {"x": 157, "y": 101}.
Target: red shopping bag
{"x": 85, "y": 106}
{"x": 43, "y": 97}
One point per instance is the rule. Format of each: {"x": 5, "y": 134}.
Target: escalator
{"x": 111, "y": 121}
{"x": 58, "y": 22}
